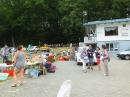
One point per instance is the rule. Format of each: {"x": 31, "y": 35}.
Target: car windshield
{"x": 31, "y": 47}
{"x": 80, "y": 49}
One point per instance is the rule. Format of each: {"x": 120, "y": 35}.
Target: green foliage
{"x": 53, "y": 21}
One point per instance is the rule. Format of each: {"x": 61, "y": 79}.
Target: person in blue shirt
{"x": 84, "y": 57}
{"x": 90, "y": 52}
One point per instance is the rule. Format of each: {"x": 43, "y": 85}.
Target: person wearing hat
{"x": 84, "y": 57}
{"x": 90, "y": 57}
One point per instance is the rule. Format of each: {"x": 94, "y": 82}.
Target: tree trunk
{"x": 4, "y": 41}
{"x": 26, "y": 42}
{"x": 13, "y": 41}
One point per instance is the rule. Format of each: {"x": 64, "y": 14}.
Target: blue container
{"x": 30, "y": 55}
{"x": 3, "y": 76}
{"x": 34, "y": 73}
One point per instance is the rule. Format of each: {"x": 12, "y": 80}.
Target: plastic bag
{"x": 101, "y": 58}
{"x": 26, "y": 71}
{"x": 65, "y": 89}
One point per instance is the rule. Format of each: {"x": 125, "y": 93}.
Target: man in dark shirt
{"x": 90, "y": 57}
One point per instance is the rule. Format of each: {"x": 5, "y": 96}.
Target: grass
{"x": 58, "y": 49}
{"x": 10, "y": 58}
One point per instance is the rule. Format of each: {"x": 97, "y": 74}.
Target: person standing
{"x": 64, "y": 52}
{"x": 23, "y": 48}
{"x": 105, "y": 60}
{"x": 29, "y": 47}
{"x": 98, "y": 54}
{"x": 68, "y": 51}
{"x": 52, "y": 51}
{"x": 90, "y": 52}
{"x": 72, "y": 54}
{"x": 84, "y": 57}
{"x": 5, "y": 53}
{"x": 19, "y": 65}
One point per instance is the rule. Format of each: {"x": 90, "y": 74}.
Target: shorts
{"x": 16, "y": 67}
{"x": 90, "y": 60}
{"x": 98, "y": 61}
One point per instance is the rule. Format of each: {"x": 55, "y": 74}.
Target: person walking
{"x": 98, "y": 54}
{"x": 29, "y": 46}
{"x": 68, "y": 51}
{"x": 72, "y": 54}
{"x": 84, "y": 57}
{"x": 19, "y": 65}
{"x": 5, "y": 53}
{"x": 105, "y": 60}
{"x": 23, "y": 48}
{"x": 90, "y": 52}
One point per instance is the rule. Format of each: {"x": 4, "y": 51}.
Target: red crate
{"x": 61, "y": 59}
{"x": 11, "y": 72}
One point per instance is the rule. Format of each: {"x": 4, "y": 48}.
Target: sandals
{"x": 14, "y": 85}
{"x": 84, "y": 71}
{"x": 21, "y": 84}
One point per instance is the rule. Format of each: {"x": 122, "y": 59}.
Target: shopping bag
{"x": 101, "y": 58}
{"x": 65, "y": 89}
{"x": 85, "y": 58}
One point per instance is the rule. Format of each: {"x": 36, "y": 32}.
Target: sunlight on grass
{"x": 58, "y": 49}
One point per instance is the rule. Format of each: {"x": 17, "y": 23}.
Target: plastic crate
{"x": 3, "y": 76}
{"x": 11, "y": 72}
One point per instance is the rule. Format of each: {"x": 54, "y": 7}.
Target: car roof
{"x": 83, "y": 47}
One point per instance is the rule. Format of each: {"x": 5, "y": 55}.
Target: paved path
{"x": 90, "y": 84}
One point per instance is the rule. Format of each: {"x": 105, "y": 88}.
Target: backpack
{"x": 52, "y": 70}
{"x": 48, "y": 65}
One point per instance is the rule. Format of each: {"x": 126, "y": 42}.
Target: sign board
{"x": 124, "y": 32}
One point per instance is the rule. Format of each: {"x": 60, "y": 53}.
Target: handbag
{"x": 85, "y": 58}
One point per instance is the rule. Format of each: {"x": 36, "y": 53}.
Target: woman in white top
{"x": 84, "y": 57}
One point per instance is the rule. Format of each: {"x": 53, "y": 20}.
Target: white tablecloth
{"x": 3, "y": 64}
{"x": 29, "y": 63}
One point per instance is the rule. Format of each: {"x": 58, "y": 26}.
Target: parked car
{"x": 78, "y": 58}
{"x": 45, "y": 48}
{"x": 33, "y": 48}
{"x": 124, "y": 54}
{"x": 12, "y": 49}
